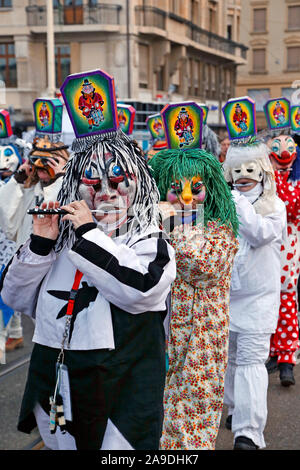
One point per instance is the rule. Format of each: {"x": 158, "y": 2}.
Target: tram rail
{"x": 13, "y": 366}
{"x": 37, "y": 444}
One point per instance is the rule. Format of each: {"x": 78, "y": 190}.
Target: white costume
{"x": 7, "y": 251}
{"x": 255, "y": 290}
{"x": 10, "y": 159}
{"x": 16, "y": 200}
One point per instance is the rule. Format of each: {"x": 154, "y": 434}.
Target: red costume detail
{"x": 157, "y": 126}
{"x": 285, "y": 341}
{"x": 284, "y": 158}
{"x": 278, "y": 111}
{"x": 240, "y": 117}
{"x": 89, "y": 101}
{"x": 44, "y": 113}
{"x": 182, "y": 125}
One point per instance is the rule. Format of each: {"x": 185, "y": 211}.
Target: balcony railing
{"x": 151, "y": 16}
{"x": 63, "y": 15}
{"x": 209, "y": 39}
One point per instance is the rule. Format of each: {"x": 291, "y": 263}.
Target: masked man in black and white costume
{"x": 116, "y": 354}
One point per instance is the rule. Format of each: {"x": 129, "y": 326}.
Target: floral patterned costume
{"x": 198, "y": 340}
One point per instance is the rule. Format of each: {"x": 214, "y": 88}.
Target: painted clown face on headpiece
{"x": 283, "y": 152}
{"x": 183, "y": 115}
{"x": 87, "y": 88}
{"x": 10, "y": 159}
{"x": 106, "y": 186}
{"x": 186, "y": 193}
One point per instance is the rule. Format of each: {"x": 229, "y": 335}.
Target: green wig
{"x": 170, "y": 165}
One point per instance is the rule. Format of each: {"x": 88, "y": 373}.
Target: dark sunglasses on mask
{"x": 33, "y": 159}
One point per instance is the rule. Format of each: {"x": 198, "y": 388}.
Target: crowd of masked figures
{"x": 161, "y": 284}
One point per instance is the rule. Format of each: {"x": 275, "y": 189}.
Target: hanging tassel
{"x": 60, "y": 414}
{"x": 53, "y": 413}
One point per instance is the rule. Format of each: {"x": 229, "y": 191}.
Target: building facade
{"x": 271, "y": 30}
{"x": 157, "y": 51}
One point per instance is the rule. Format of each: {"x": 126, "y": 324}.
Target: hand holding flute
{"x": 47, "y": 226}
{"x": 45, "y": 218}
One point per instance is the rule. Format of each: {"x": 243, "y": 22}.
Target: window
{"x": 260, "y": 96}
{"x": 293, "y": 58}
{"x": 196, "y": 77}
{"x": 229, "y": 26}
{"x": 294, "y": 17}
{"x": 194, "y": 12}
{"x": 175, "y": 7}
{"x": 287, "y": 93}
{"x": 5, "y": 3}
{"x": 238, "y": 20}
{"x": 206, "y": 77}
{"x": 73, "y": 11}
{"x": 190, "y": 76}
{"x": 8, "y": 66}
{"x": 228, "y": 82}
{"x": 143, "y": 65}
{"x": 259, "y": 60}
{"x": 259, "y": 20}
{"x": 212, "y": 19}
{"x": 160, "y": 82}
{"x": 62, "y": 64}
{"x": 213, "y": 78}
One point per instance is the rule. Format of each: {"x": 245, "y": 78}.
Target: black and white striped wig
{"x": 129, "y": 157}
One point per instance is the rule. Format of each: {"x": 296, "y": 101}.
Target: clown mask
{"x": 247, "y": 175}
{"x": 88, "y": 89}
{"x": 283, "y": 152}
{"x": 184, "y": 202}
{"x": 9, "y": 160}
{"x": 44, "y": 151}
{"x": 39, "y": 158}
{"x": 187, "y": 194}
{"x": 109, "y": 189}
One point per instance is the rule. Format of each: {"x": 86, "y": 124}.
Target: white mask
{"x": 9, "y": 160}
{"x": 249, "y": 169}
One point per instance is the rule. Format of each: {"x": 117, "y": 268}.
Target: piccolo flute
{"x": 59, "y": 211}
{"x": 38, "y": 211}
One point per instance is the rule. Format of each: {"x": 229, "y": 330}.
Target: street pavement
{"x": 282, "y": 430}
{"x": 11, "y": 391}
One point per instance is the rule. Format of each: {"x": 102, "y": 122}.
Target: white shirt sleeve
{"x": 258, "y": 230}
{"x": 14, "y": 203}
{"x": 22, "y": 280}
